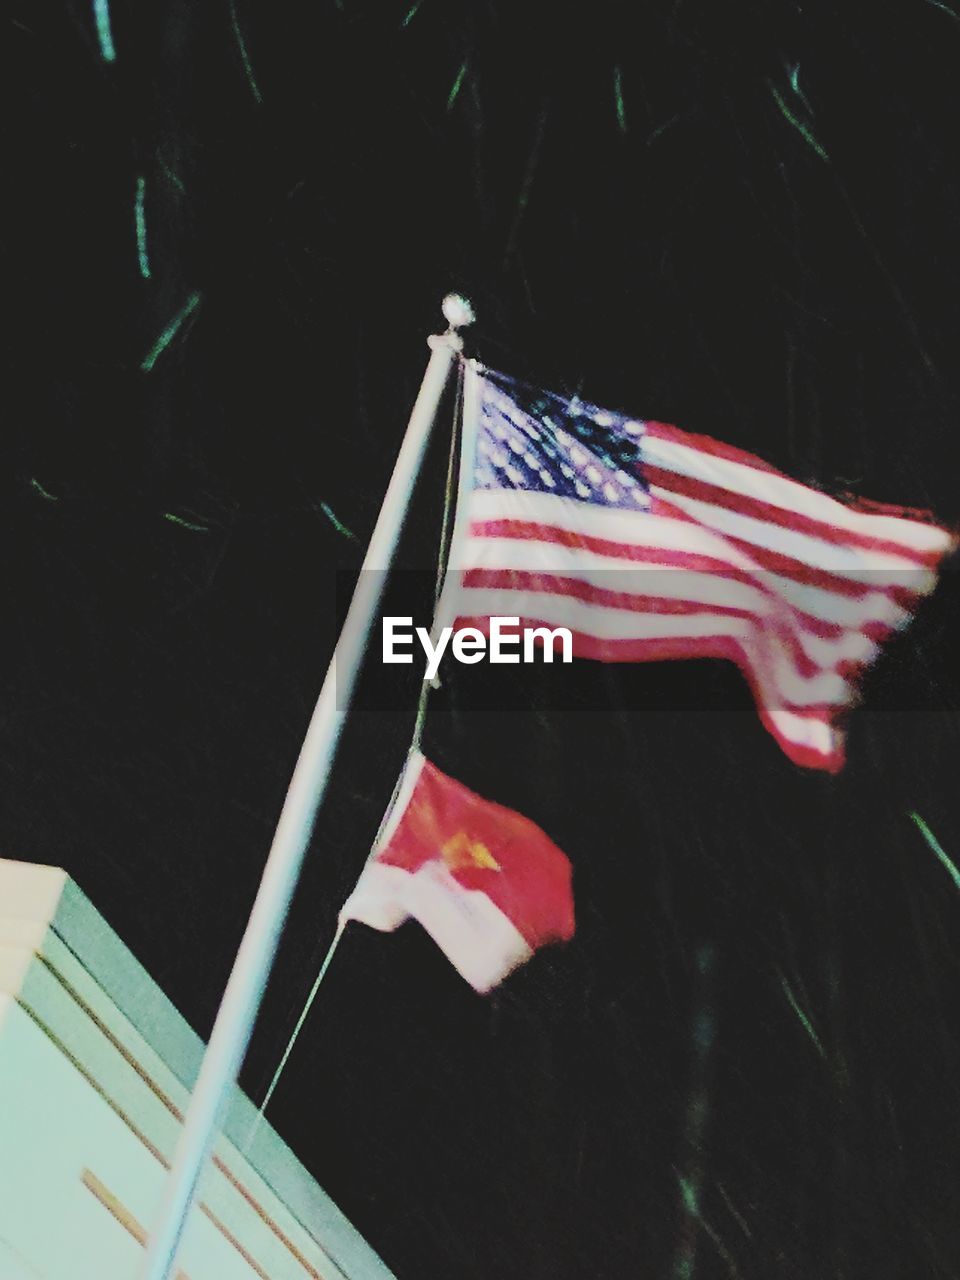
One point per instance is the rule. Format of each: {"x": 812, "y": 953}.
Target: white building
{"x": 95, "y": 1067}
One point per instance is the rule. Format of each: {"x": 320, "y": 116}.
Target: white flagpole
{"x": 248, "y": 978}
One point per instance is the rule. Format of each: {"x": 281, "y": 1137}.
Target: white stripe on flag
{"x": 781, "y": 682}
{"x": 769, "y": 595}
{"x": 848, "y": 561}
{"x": 481, "y": 943}
{"x": 788, "y": 495}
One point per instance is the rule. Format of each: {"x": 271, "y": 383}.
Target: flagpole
{"x": 445, "y": 605}
{"x": 248, "y": 978}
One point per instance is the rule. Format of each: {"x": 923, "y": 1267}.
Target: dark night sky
{"x": 758, "y": 241}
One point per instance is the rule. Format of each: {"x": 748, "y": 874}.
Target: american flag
{"x": 648, "y": 542}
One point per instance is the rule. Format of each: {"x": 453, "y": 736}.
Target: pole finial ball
{"x": 457, "y": 311}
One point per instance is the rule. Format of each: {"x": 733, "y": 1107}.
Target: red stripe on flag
{"x": 705, "y": 444}
{"x": 665, "y": 559}
{"x": 686, "y": 647}
{"x": 776, "y": 562}
{"x": 782, "y": 629}
{"x": 780, "y": 517}
{"x": 590, "y": 593}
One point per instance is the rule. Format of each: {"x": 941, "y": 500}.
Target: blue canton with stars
{"x": 537, "y": 441}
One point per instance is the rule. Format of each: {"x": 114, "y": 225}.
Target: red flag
{"x": 485, "y": 882}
